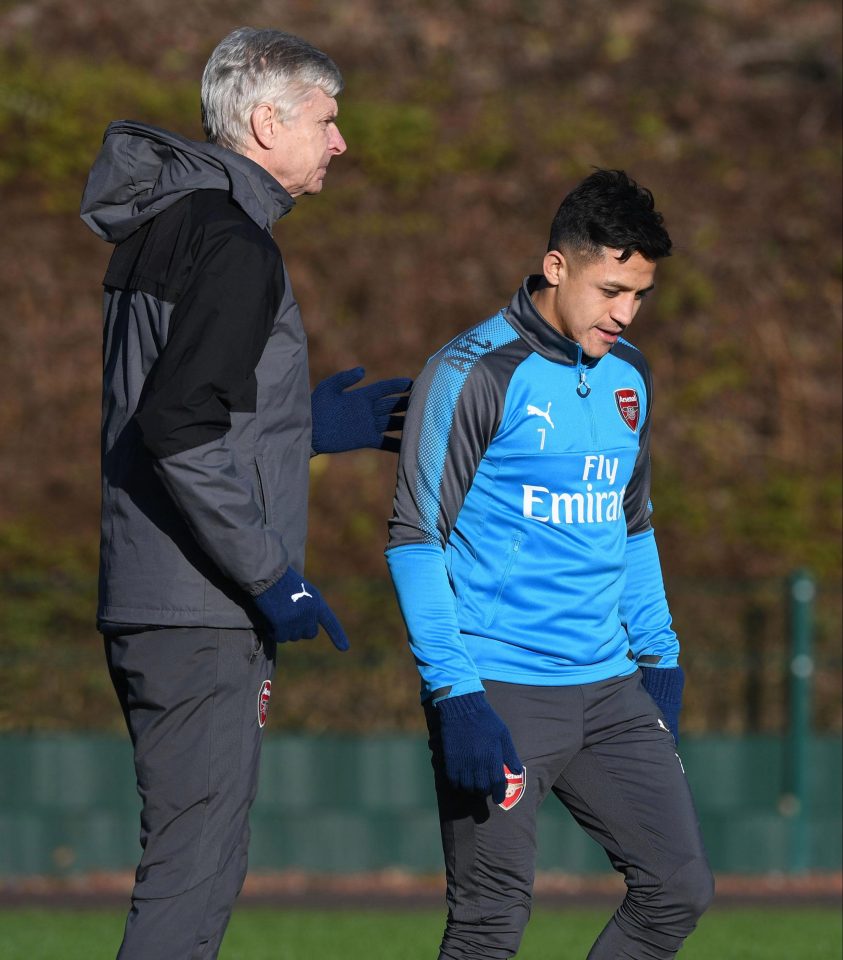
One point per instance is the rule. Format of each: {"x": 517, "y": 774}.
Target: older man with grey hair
{"x": 208, "y": 428}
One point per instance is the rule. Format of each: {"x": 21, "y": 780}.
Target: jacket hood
{"x": 141, "y": 170}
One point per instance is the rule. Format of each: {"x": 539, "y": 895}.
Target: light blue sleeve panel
{"x": 428, "y": 606}
{"x": 455, "y": 408}
{"x": 643, "y": 607}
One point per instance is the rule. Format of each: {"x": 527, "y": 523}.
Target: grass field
{"x": 774, "y": 933}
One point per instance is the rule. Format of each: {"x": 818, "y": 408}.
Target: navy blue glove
{"x": 293, "y": 609}
{"x": 476, "y": 744}
{"x": 665, "y": 687}
{"x": 351, "y": 420}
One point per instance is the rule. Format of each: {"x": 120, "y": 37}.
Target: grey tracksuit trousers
{"x": 601, "y": 749}
{"x": 194, "y": 700}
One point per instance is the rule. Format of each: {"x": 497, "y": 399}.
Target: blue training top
{"x": 520, "y": 544}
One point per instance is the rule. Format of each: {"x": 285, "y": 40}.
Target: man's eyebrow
{"x": 617, "y": 285}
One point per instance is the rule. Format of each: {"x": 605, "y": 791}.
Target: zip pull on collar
{"x": 583, "y": 389}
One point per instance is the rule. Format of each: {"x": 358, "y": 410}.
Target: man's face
{"x": 305, "y": 145}
{"x": 593, "y": 301}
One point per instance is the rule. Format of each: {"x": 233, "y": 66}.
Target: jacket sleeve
{"x": 453, "y": 414}
{"x": 218, "y": 330}
{"x": 644, "y": 610}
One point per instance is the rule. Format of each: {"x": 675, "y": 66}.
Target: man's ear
{"x": 263, "y": 124}
{"x": 555, "y": 267}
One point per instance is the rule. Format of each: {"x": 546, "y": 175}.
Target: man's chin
{"x": 597, "y": 350}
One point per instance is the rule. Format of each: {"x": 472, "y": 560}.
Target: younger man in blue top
{"x": 527, "y": 572}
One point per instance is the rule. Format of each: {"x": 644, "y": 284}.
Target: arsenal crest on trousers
{"x": 516, "y": 784}
{"x": 263, "y": 701}
{"x": 627, "y": 401}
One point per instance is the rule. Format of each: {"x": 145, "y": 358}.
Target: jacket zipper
{"x": 513, "y": 553}
{"x": 583, "y": 390}
{"x": 262, "y": 491}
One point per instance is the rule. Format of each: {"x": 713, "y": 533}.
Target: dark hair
{"x": 608, "y": 209}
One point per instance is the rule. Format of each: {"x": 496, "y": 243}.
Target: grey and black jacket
{"x": 206, "y": 412}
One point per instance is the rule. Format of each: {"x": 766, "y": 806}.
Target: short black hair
{"x": 609, "y": 209}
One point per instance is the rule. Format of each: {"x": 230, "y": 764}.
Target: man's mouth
{"x": 610, "y": 336}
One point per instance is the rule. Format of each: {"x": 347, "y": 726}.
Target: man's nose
{"x": 623, "y": 310}
{"x": 337, "y": 143}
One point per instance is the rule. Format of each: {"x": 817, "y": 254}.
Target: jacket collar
{"x": 532, "y": 327}
{"x": 252, "y": 187}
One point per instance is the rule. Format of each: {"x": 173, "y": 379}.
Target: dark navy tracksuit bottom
{"x": 603, "y": 750}
{"x": 194, "y": 700}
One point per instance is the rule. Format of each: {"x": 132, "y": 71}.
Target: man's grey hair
{"x": 250, "y": 67}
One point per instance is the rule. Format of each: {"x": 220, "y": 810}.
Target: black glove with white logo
{"x": 293, "y": 609}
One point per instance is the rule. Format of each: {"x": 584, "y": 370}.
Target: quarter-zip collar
{"x": 544, "y": 339}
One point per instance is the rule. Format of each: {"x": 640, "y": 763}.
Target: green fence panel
{"x": 345, "y": 804}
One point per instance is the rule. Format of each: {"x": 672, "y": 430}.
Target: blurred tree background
{"x": 466, "y": 121}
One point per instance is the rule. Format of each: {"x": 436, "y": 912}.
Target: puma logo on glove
{"x": 293, "y": 609}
